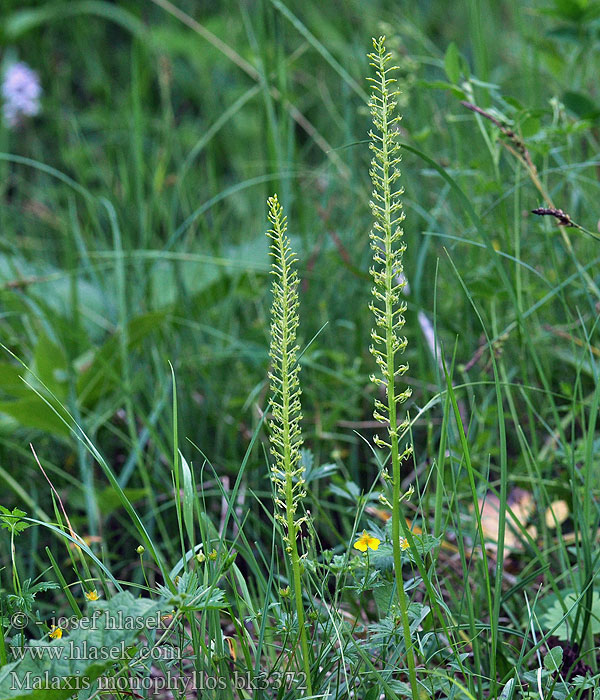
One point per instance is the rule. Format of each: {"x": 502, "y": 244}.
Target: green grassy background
{"x": 173, "y": 149}
{"x": 132, "y": 213}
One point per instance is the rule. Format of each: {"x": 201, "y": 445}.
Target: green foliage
{"x": 560, "y": 616}
{"x": 24, "y": 600}
{"x": 11, "y": 520}
{"x": 192, "y": 595}
{"x": 553, "y": 659}
{"x": 131, "y": 239}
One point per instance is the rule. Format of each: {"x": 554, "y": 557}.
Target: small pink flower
{"x": 21, "y": 92}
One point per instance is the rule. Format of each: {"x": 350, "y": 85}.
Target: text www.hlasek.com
{"x": 82, "y": 650}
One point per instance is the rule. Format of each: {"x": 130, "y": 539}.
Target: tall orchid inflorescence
{"x": 388, "y": 305}
{"x": 285, "y": 434}
{"x": 388, "y": 247}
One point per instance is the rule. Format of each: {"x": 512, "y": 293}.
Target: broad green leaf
{"x": 168, "y": 277}
{"x": 452, "y": 63}
{"x": 581, "y": 105}
{"x": 32, "y": 412}
{"x": 384, "y": 596}
{"x": 104, "y": 371}
{"x": 507, "y": 690}
{"x": 109, "y": 500}
{"x": 10, "y": 380}
{"x": 442, "y": 85}
{"x": 530, "y": 126}
{"x": 50, "y": 366}
{"x": 553, "y": 659}
{"x": 54, "y": 295}
{"x": 555, "y": 615}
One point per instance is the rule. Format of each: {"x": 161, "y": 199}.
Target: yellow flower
{"x": 366, "y": 540}
{"x": 55, "y": 632}
{"x": 92, "y": 595}
{"x": 404, "y": 543}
